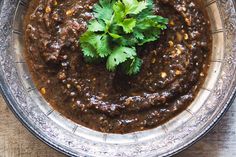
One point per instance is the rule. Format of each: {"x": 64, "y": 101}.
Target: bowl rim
{"x": 12, "y": 105}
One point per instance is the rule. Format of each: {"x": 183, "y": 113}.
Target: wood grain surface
{"x": 17, "y": 141}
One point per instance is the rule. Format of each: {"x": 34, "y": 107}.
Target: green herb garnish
{"x": 117, "y": 28}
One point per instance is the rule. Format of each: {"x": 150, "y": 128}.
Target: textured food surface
{"x": 172, "y": 72}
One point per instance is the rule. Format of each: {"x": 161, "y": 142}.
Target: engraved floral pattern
{"x": 229, "y": 17}
{"x": 24, "y": 105}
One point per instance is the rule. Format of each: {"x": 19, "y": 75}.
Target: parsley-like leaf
{"x": 119, "y": 55}
{"x": 95, "y": 26}
{"x": 103, "y": 48}
{"x": 103, "y": 10}
{"x": 88, "y": 50}
{"x": 134, "y": 6}
{"x": 132, "y": 66}
{"x": 128, "y": 25}
{"x": 118, "y": 27}
{"x": 119, "y": 11}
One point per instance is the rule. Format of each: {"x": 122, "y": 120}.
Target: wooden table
{"x": 16, "y": 141}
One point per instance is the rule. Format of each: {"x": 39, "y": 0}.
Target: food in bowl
{"x": 90, "y": 93}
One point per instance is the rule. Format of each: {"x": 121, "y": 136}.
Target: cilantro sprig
{"x": 118, "y": 27}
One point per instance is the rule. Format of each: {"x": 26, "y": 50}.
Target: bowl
{"x": 72, "y": 139}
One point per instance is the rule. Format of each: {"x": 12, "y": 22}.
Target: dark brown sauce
{"x": 173, "y": 69}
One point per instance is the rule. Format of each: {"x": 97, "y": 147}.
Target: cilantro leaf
{"x": 88, "y": 50}
{"x": 118, "y": 27}
{"x": 134, "y": 6}
{"x": 128, "y": 25}
{"x": 132, "y": 67}
{"x": 139, "y": 35}
{"x": 95, "y": 26}
{"x": 148, "y": 11}
{"x": 103, "y": 10}
{"x": 151, "y": 22}
{"x": 119, "y": 55}
{"x": 119, "y": 11}
{"x": 103, "y": 48}
{"x": 94, "y": 44}
{"x": 87, "y": 47}
{"x": 128, "y": 40}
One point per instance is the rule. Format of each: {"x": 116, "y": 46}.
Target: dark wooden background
{"x": 16, "y": 141}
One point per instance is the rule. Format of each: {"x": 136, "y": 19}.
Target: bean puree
{"x": 172, "y": 72}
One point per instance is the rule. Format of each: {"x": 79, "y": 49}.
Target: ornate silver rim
{"x": 41, "y": 124}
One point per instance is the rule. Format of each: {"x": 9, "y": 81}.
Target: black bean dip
{"x": 172, "y": 72}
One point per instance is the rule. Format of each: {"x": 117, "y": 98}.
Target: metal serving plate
{"x": 72, "y": 139}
